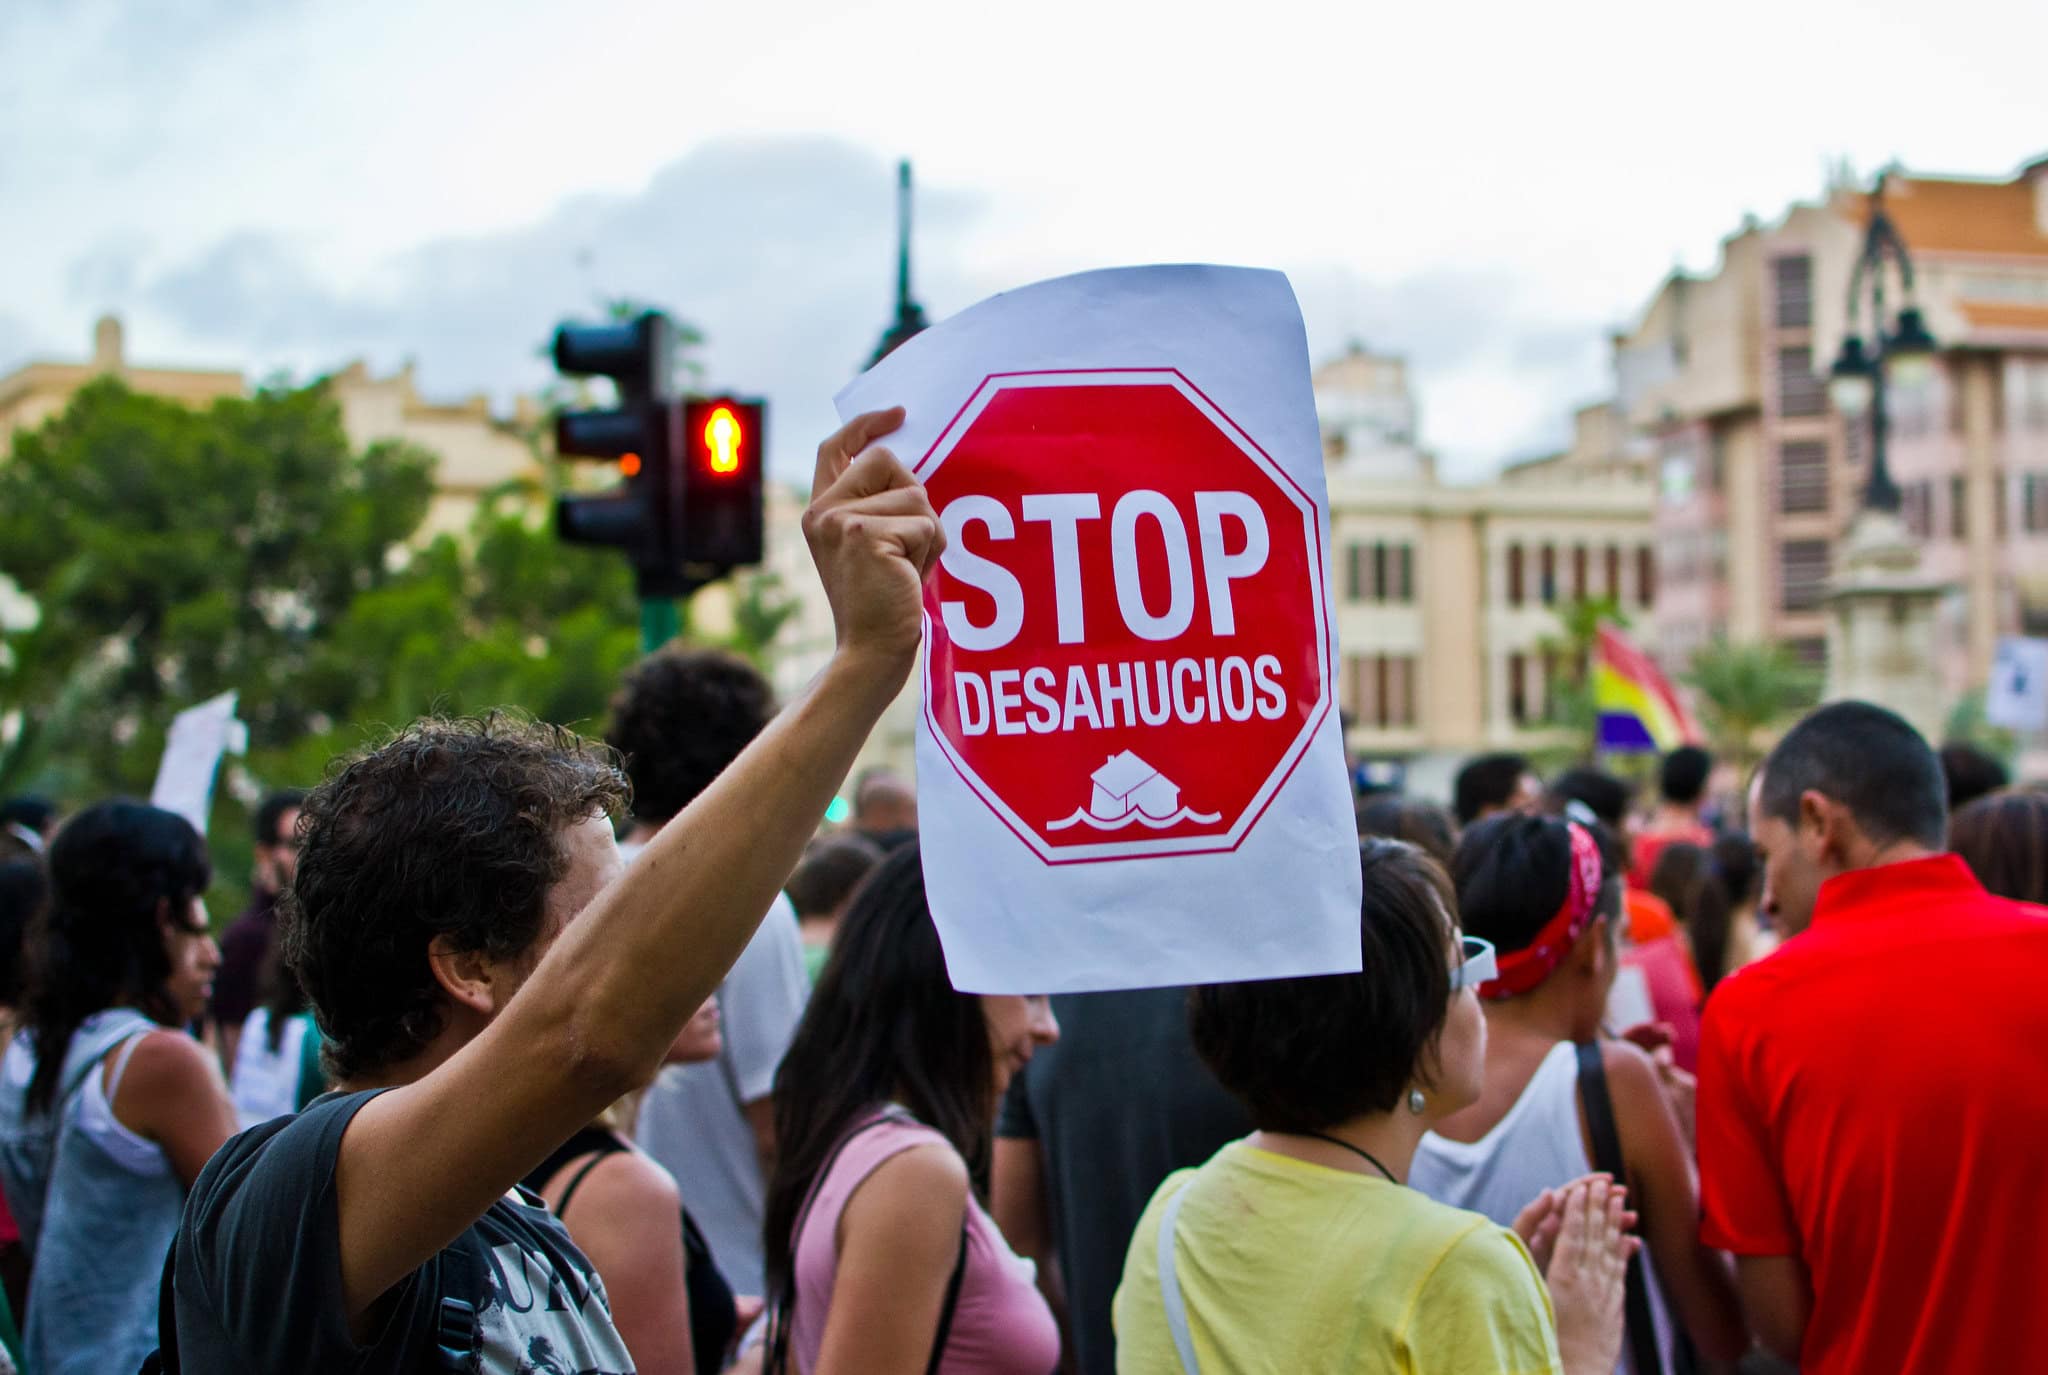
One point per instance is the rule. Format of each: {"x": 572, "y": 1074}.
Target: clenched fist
{"x": 875, "y": 539}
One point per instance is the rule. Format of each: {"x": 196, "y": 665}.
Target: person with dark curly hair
{"x": 108, "y": 1110}
{"x": 490, "y": 976}
{"x": 680, "y": 719}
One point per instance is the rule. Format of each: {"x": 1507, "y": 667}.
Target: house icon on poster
{"x": 1126, "y": 784}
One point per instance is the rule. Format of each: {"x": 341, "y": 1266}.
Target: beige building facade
{"x": 1724, "y": 375}
{"x": 479, "y": 452}
{"x": 38, "y": 391}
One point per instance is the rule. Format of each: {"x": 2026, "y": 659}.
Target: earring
{"x": 1416, "y": 1102}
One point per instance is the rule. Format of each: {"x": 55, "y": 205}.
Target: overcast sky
{"x": 276, "y": 184}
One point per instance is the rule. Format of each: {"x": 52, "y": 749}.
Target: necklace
{"x": 1367, "y": 1156}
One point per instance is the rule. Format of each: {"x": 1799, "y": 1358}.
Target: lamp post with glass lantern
{"x": 1883, "y": 642}
{"x": 1858, "y": 380}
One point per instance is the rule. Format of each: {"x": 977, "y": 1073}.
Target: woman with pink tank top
{"x": 881, "y": 1258}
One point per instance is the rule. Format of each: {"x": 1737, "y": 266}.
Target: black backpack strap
{"x": 458, "y": 1331}
{"x": 1607, "y": 1158}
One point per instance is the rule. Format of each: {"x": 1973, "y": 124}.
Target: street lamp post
{"x": 909, "y": 314}
{"x": 1858, "y": 380}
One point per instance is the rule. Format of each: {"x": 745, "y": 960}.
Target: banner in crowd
{"x": 1130, "y": 765}
{"x": 2017, "y": 698}
{"x": 198, "y": 737}
{"x": 1639, "y": 711}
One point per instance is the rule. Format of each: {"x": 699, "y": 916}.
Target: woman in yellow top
{"x": 1300, "y": 1248}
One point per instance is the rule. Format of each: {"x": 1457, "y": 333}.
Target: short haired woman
{"x": 108, "y": 1110}
{"x": 1537, "y": 889}
{"x": 1302, "y": 1247}
{"x": 881, "y": 1257}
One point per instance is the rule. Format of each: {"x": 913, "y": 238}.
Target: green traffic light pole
{"x": 659, "y": 623}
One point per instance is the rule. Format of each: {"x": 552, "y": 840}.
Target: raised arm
{"x": 421, "y": 1163}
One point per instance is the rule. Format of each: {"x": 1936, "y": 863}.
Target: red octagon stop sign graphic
{"x": 1127, "y": 638}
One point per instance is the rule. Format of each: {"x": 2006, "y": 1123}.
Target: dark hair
{"x": 1683, "y": 775}
{"x": 1303, "y": 1054}
{"x": 118, "y": 871}
{"x": 1735, "y": 858}
{"x": 271, "y": 812}
{"x": 1868, "y": 760}
{"x": 1689, "y": 881}
{"x": 830, "y": 870}
{"x": 1488, "y": 781}
{"x": 452, "y": 829}
{"x": 679, "y": 719}
{"x": 1971, "y": 773}
{"x": 2004, "y": 840}
{"x": 1512, "y": 874}
{"x": 1601, "y": 793}
{"x": 1391, "y": 816}
{"x": 883, "y": 1024}
{"x": 23, "y": 891}
{"x": 284, "y": 997}
{"x": 30, "y": 810}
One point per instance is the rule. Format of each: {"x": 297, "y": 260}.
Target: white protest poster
{"x": 2017, "y": 697}
{"x": 1130, "y": 767}
{"x": 197, "y": 739}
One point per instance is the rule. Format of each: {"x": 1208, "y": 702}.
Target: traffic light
{"x": 639, "y": 434}
{"x": 721, "y": 481}
{"x": 687, "y": 508}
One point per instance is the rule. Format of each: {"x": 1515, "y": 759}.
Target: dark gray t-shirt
{"x": 259, "y": 1273}
{"x": 1118, "y": 1103}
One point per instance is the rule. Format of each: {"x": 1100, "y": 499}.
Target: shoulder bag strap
{"x": 164, "y": 1360}
{"x": 1169, "y": 1283}
{"x": 1607, "y": 1158}
{"x": 952, "y": 1301}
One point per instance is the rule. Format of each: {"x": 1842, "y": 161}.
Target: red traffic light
{"x": 723, "y": 436}
{"x": 629, "y": 464}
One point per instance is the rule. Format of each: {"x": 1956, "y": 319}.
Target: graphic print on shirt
{"x": 547, "y": 1314}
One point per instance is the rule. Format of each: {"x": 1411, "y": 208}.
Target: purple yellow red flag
{"x": 1638, "y": 710}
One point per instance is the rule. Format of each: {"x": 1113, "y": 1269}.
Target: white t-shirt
{"x": 265, "y": 1083}
{"x": 691, "y": 1119}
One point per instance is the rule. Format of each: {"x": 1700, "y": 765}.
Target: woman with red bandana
{"x": 1540, "y": 890}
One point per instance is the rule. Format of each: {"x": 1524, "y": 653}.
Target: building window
{"x": 1546, "y": 574}
{"x": 1646, "y": 576}
{"x": 1800, "y": 392}
{"x": 1379, "y": 571}
{"x": 2034, "y": 503}
{"x": 1803, "y": 478}
{"x": 1802, "y": 574}
{"x": 1794, "y": 278}
{"x": 1958, "y": 509}
{"x": 2001, "y": 502}
{"x": 1811, "y": 651}
{"x": 1717, "y": 459}
{"x": 1381, "y": 689}
{"x": 1404, "y": 573}
{"x": 1515, "y": 572}
{"x": 1518, "y": 689}
{"x": 1354, "y": 572}
{"x": 1614, "y": 571}
{"x": 1916, "y": 509}
{"x": 1579, "y": 572}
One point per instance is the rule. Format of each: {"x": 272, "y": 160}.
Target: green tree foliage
{"x": 1746, "y": 689}
{"x": 193, "y": 551}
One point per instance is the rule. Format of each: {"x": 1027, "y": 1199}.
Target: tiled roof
{"x": 1935, "y": 215}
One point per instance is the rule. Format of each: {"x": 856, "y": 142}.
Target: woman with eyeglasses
{"x": 1303, "y": 1247}
{"x": 1548, "y": 898}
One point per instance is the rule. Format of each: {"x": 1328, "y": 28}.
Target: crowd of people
{"x": 537, "y": 1053}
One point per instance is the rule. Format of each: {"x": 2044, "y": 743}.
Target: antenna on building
{"x": 909, "y": 314}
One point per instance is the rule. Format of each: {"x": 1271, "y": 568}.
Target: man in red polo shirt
{"x": 1872, "y": 1106}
